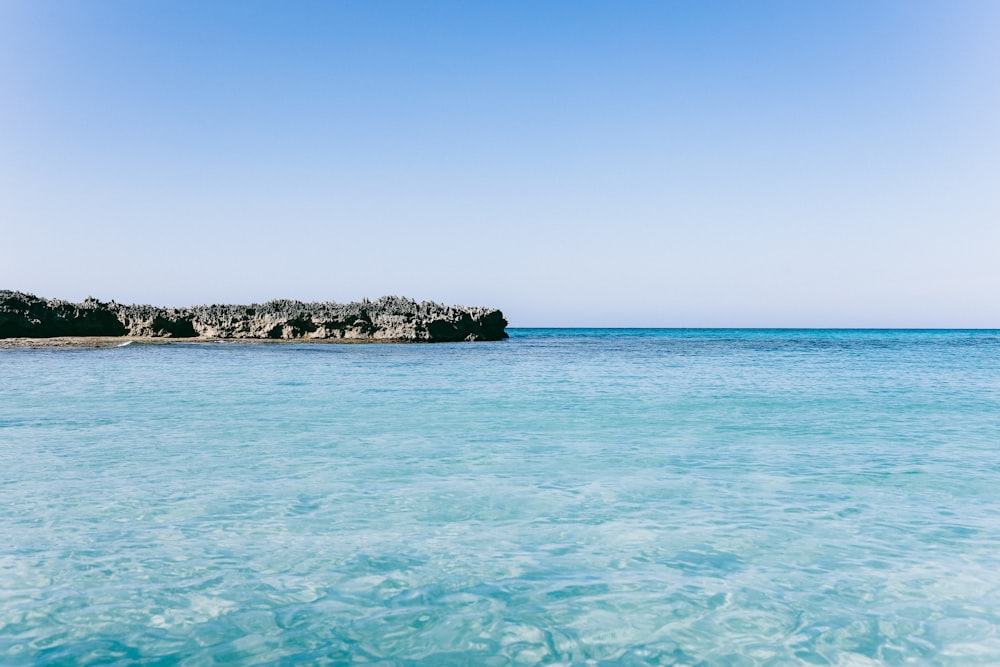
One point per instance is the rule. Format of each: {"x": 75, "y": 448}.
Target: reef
{"x": 389, "y": 318}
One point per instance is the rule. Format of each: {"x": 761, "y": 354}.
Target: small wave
{"x": 125, "y": 344}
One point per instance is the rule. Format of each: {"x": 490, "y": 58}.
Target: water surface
{"x": 719, "y": 497}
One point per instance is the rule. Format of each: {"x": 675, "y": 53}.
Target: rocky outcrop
{"x": 387, "y": 319}
{"x": 27, "y": 316}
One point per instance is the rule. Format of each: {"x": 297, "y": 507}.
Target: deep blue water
{"x": 690, "y": 497}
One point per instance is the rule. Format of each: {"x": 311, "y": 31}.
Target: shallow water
{"x": 567, "y": 496}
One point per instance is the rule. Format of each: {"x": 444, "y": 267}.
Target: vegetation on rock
{"x": 389, "y": 318}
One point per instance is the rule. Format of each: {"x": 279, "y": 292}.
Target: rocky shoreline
{"x": 26, "y": 319}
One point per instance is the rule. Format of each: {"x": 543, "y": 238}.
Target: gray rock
{"x": 389, "y": 318}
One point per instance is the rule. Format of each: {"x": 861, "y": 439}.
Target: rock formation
{"x": 387, "y": 319}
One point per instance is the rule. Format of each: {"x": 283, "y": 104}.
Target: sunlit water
{"x": 570, "y": 497}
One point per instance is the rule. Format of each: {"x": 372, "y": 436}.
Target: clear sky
{"x": 670, "y": 163}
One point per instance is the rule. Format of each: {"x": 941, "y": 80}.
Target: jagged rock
{"x": 389, "y": 318}
{"x": 25, "y": 315}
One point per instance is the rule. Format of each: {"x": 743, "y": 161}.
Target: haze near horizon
{"x": 575, "y": 164}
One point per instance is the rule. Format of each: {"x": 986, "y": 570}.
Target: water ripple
{"x": 567, "y": 497}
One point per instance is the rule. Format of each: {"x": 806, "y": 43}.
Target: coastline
{"x": 108, "y": 342}
{"x": 27, "y": 317}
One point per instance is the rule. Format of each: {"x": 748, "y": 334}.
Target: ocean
{"x": 585, "y": 497}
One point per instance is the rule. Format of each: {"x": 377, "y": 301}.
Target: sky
{"x": 666, "y": 164}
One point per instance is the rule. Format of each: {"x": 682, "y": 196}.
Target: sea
{"x": 564, "y": 497}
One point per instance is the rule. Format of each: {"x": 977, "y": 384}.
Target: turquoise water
{"x": 567, "y": 496}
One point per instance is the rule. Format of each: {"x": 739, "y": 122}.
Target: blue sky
{"x": 574, "y": 163}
